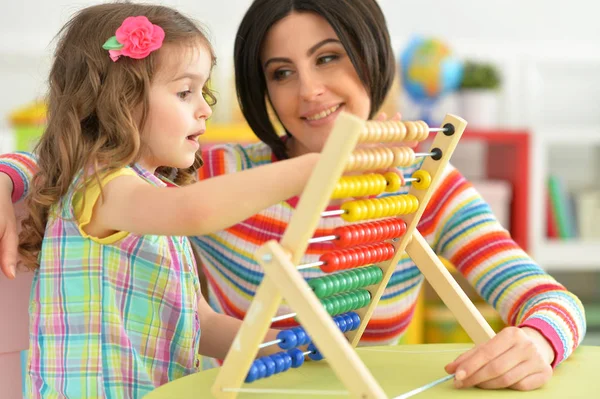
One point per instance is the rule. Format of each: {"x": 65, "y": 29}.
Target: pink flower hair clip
{"x": 135, "y": 38}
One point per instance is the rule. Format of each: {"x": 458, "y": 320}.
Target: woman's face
{"x": 310, "y": 80}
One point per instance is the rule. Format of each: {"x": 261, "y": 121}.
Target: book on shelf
{"x": 561, "y": 210}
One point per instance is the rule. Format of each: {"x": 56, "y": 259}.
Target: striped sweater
{"x": 458, "y": 225}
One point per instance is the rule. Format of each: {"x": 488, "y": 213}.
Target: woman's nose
{"x": 311, "y": 87}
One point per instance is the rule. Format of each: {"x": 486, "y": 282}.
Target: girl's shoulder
{"x": 223, "y": 159}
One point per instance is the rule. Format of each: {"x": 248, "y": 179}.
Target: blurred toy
{"x": 429, "y": 71}
{"x": 28, "y": 124}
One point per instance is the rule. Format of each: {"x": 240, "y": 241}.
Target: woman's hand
{"x": 516, "y": 358}
{"x": 9, "y": 239}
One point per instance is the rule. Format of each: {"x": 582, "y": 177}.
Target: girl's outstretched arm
{"x": 219, "y": 331}
{"x": 130, "y": 204}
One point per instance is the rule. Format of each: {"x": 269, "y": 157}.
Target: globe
{"x": 429, "y": 71}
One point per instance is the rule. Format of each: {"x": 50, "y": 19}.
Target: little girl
{"x": 116, "y": 308}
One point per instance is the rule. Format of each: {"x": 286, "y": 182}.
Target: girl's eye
{"x": 281, "y": 74}
{"x": 326, "y": 59}
{"x": 184, "y": 94}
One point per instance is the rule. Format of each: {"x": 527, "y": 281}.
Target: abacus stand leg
{"x": 245, "y": 346}
{"x": 448, "y": 289}
{"x": 332, "y": 343}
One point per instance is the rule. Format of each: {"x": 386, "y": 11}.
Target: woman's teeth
{"x": 323, "y": 114}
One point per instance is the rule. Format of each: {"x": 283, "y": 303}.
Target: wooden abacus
{"x": 350, "y": 296}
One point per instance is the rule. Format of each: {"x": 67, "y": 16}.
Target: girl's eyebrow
{"x": 310, "y": 52}
{"x": 188, "y": 75}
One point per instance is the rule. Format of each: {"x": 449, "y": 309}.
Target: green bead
{"x": 355, "y": 280}
{"x": 335, "y": 306}
{"x": 335, "y": 284}
{"x": 318, "y": 286}
{"x": 378, "y": 273}
{"x": 343, "y": 278}
{"x": 328, "y": 286}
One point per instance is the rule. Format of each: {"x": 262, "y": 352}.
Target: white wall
{"x": 546, "y": 48}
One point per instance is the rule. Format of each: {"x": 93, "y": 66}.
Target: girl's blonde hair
{"x": 91, "y": 126}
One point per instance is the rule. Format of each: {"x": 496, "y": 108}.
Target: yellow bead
{"x": 353, "y": 211}
{"x": 415, "y": 203}
{"x": 371, "y": 209}
{"x": 400, "y": 205}
{"x": 393, "y": 182}
{"x": 391, "y": 206}
{"x": 385, "y": 208}
{"x": 379, "y": 209}
{"x": 424, "y": 180}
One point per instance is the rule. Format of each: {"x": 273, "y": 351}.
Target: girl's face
{"x": 310, "y": 80}
{"x": 178, "y": 109}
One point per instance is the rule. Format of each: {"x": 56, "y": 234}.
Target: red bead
{"x": 358, "y": 234}
{"x": 386, "y": 230}
{"x": 352, "y": 257}
{"x": 402, "y": 228}
{"x": 332, "y": 262}
{"x": 345, "y": 237}
{"x": 342, "y": 260}
{"x": 379, "y": 232}
{"x": 360, "y": 252}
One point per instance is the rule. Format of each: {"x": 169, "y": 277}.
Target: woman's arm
{"x": 20, "y": 168}
{"x": 542, "y": 314}
{"x": 8, "y": 229}
{"x": 129, "y": 204}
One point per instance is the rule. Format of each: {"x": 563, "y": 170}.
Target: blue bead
{"x": 270, "y": 365}
{"x": 341, "y": 323}
{"x": 355, "y": 320}
{"x": 279, "y": 363}
{"x": 297, "y": 357}
{"x": 287, "y": 360}
{"x": 301, "y": 336}
{"x": 349, "y": 322}
{"x": 252, "y": 374}
{"x": 314, "y": 353}
{"x": 262, "y": 369}
{"x": 288, "y": 339}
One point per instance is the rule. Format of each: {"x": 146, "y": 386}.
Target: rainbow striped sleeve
{"x": 230, "y": 158}
{"x": 462, "y": 228}
{"x": 20, "y": 167}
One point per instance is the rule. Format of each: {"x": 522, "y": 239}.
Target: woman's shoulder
{"x": 222, "y": 159}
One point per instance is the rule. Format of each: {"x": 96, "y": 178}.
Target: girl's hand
{"x": 9, "y": 239}
{"x": 516, "y": 358}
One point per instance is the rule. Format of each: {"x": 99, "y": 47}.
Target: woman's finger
{"x": 533, "y": 381}
{"x": 487, "y": 352}
{"x": 495, "y": 369}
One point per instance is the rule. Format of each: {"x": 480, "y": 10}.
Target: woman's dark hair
{"x": 360, "y": 26}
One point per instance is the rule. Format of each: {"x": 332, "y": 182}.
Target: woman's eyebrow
{"x": 310, "y": 52}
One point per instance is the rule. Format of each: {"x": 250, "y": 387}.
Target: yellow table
{"x": 400, "y": 369}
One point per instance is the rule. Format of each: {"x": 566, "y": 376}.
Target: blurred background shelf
{"x": 576, "y": 255}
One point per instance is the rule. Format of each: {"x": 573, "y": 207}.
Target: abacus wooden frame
{"x": 280, "y": 260}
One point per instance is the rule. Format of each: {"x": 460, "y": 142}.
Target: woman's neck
{"x": 295, "y": 148}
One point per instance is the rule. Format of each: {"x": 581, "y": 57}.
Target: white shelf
{"x": 569, "y": 255}
{"x": 569, "y": 135}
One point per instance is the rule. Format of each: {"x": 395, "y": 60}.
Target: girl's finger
{"x": 381, "y": 117}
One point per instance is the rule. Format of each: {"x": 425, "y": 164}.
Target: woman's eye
{"x": 326, "y": 59}
{"x": 281, "y": 74}
{"x": 184, "y": 94}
